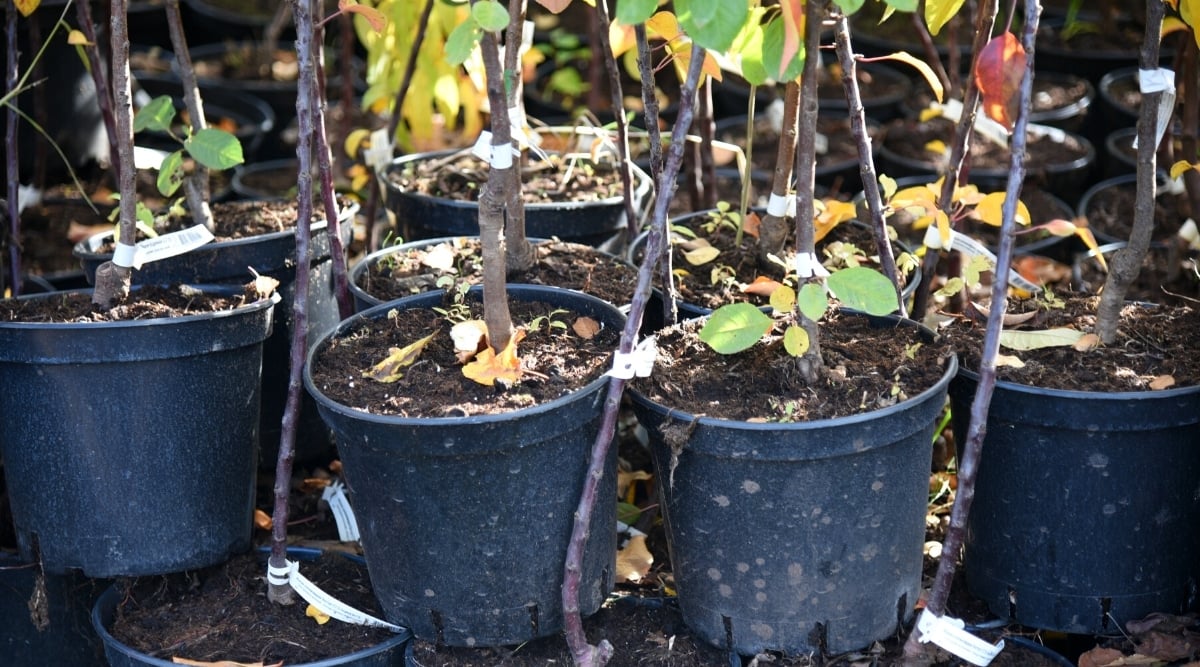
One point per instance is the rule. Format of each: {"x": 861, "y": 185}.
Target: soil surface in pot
{"x": 461, "y": 175}
{"x": 910, "y": 139}
{"x": 716, "y": 282}
{"x": 871, "y": 86}
{"x": 560, "y": 264}
{"x": 561, "y": 352}
{"x": 1049, "y": 93}
{"x": 1155, "y": 283}
{"x": 840, "y": 146}
{"x": 144, "y": 303}
{"x": 222, "y": 613}
{"x": 1110, "y": 213}
{"x": 1155, "y": 348}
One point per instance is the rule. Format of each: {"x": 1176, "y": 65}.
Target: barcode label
{"x": 169, "y": 245}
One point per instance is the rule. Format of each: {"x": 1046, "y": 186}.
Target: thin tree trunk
{"x": 809, "y": 364}
{"x": 98, "y": 68}
{"x": 618, "y": 96}
{"x": 333, "y": 224}
{"x": 11, "y": 158}
{"x": 196, "y": 184}
{"x": 519, "y": 256}
{"x": 773, "y": 229}
{"x": 492, "y": 198}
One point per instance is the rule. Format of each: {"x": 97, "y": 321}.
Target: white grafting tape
{"x": 638, "y": 362}
{"x": 1160, "y": 80}
{"x": 949, "y": 634}
{"x": 778, "y": 205}
{"x": 808, "y": 266}
{"x": 126, "y": 255}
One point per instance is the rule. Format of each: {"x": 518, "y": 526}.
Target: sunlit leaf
{"x": 936, "y": 146}
{"x": 262, "y": 520}
{"x": 462, "y": 41}
{"x": 621, "y": 38}
{"x": 735, "y": 327}
{"x": 813, "y": 301}
{"x": 77, "y": 38}
{"x": 1089, "y": 239}
{"x": 783, "y": 299}
{"x": 170, "y": 174}
{"x": 773, "y": 44}
{"x": 469, "y": 338}
{"x": 712, "y": 24}
{"x": 490, "y": 15}
{"x": 373, "y": 16}
{"x": 633, "y": 561}
{"x": 316, "y": 614}
{"x": 1189, "y": 11}
{"x": 887, "y": 185}
{"x": 999, "y": 68}
{"x": 155, "y": 116}
{"x": 26, "y": 7}
{"x": 1033, "y": 340}
{"x": 750, "y": 49}
{"x": 938, "y": 12}
{"x": 831, "y": 214}
{"x": 762, "y": 286}
{"x": 633, "y": 12}
{"x": 921, "y": 66}
{"x": 389, "y": 369}
{"x": 701, "y": 255}
{"x": 215, "y": 149}
{"x": 864, "y": 289}
{"x": 793, "y": 32}
{"x": 489, "y": 366}
{"x": 1182, "y": 166}
{"x": 989, "y": 210}
{"x": 795, "y": 341}
{"x": 664, "y": 25}
{"x": 1059, "y": 227}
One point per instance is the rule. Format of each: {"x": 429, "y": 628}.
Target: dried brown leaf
{"x": 634, "y": 561}
{"x": 1162, "y": 382}
{"x": 1087, "y": 342}
{"x": 585, "y": 327}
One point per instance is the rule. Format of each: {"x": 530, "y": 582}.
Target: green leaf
{"x": 795, "y": 341}
{"x": 903, "y": 5}
{"x": 813, "y": 301}
{"x": 170, "y": 174}
{"x": 772, "y": 52}
{"x": 735, "y": 327}
{"x": 783, "y": 299}
{"x": 712, "y": 24}
{"x": 751, "y": 50}
{"x": 1033, "y": 340}
{"x": 628, "y": 513}
{"x": 849, "y": 7}
{"x": 155, "y": 116}
{"x": 633, "y": 12}
{"x": 215, "y": 149}
{"x": 490, "y": 15}
{"x": 864, "y": 289}
{"x": 462, "y": 41}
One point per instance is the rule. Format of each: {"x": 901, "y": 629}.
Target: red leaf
{"x": 998, "y": 72}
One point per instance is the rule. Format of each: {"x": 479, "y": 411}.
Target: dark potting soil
{"x": 461, "y": 175}
{"x": 222, "y": 613}
{"x": 1154, "y": 342}
{"x": 841, "y": 145}
{"x": 571, "y": 265}
{"x": 556, "y": 359}
{"x": 864, "y": 369}
{"x": 144, "y": 303}
{"x": 1110, "y": 213}
{"x": 1049, "y": 93}
{"x": 1169, "y": 275}
{"x": 909, "y": 138}
{"x": 870, "y": 85}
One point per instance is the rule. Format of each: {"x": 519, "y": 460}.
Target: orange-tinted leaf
{"x": 751, "y": 223}
{"x": 373, "y": 16}
{"x": 990, "y": 207}
{"x": 1087, "y": 342}
{"x": 555, "y": 6}
{"x": 621, "y": 37}
{"x": 762, "y": 286}
{"x": 664, "y": 25}
{"x": 793, "y": 31}
{"x": 489, "y": 366}
{"x": 26, "y": 7}
{"x": 998, "y": 72}
{"x": 262, "y": 520}
{"x": 586, "y": 328}
{"x": 1089, "y": 240}
{"x": 830, "y": 215}
{"x": 389, "y": 369}
{"x": 935, "y": 84}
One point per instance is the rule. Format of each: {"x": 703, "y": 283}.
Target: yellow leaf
{"x": 489, "y": 366}
{"x": 943, "y": 226}
{"x": 795, "y": 341}
{"x": 783, "y": 299}
{"x": 936, "y": 146}
{"x": 831, "y": 213}
{"x": 622, "y": 38}
{"x": 990, "y": 208}
{"x": 1181, "y": 166}
{"x": 26, "y": 7}
{"x": 702, "y": 255}
{"x": 388, "y": 370}
{"x": 1172, "y": 24}
{"x": 586, "y": 328}
{"x": 634, "y": 561}
{"x": 888, "y": 185}
{"x": 316, "y": 614}
{"x": 663, "y": 25}
{"x": 1033, "y": 340}
{"x": 921, "y": 66}
{"x": 1189, "y": 11}
{"x": 1089, "y": 240}
{"x": 354, "y": 141}
{"x": 468, "y": 337}
{"x": 373, "y": 16}
{"x": 77, "y": 38}
{"x": 929, "y": 113}
{"x": 1162, "y": 382}
{"x": 938, "y": 12}
{"x": 1009, "y": 360}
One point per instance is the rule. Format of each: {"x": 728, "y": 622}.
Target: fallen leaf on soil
{"x": 469, "y": 338}
{"x": 1034, "y": 340}
{"x": 440, "y": 257}
{"x": 388, "y": 370}
{"x": 751, "y": 223}
{"x": 634, "y": 561}
{"x": 316, "y": 614}
{"x": 1168, "y": 648}
{"x": 1008, "y": 360}
{"x": 701, "y": 255}
{"x": 262, "y": 520}
{"x": 762, "y": 286}
{"x": 586, "y": 328}
{"x": 1098, "y": 657}
{"x": 264, "y": 286}
{"x": 1162, "y": 382}
{"x": 1009, "y": 319}
{"x": 222, "y": 663}
{"x": 1042, "y": 270}
{"x": 489, "y": 366}
{"x": 1087, "y": 342}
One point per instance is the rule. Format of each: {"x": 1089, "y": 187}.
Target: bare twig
{"x": 196, "y": 184}
{"x": 98, "y": 68}
{"x": 12, "y": 76}
{"x": 617, "y": 97}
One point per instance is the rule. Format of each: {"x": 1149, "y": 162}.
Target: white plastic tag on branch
{"x": 949, "y": 634}
{"x": 638, "y": 362}
{"x": 969, "y": 246}
{"x": 808, "y": 266}
{"x": 516, "y": 122}
{"x": 162, "y": 247}
{"x": 1161, "y": 80}
{"x": 318, "y": 598}
{"x": 779, "y": 206}
{"x": 484, "y": 150}
{"x": 379, "y": 152}
{"x": 933, "y": 238}
{"x": 126, "y": 255}
{"x": 995, "y": 132}
{"x": 343, "y": 514}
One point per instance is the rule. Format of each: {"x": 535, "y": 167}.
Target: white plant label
{"x": 808, "y": 266}
{"x": 1161, "y": 80}
{"x": 379, "y": 152}
{"x": 328, "y": 604}
{"x": 343, "y": 514}
{"x": 637, "y": 362}
{"x": 152, "y": 250}
{"x": 949, "y": 634}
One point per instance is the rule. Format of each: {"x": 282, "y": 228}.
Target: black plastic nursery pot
{"x": 465, "y": 520}
{"x": 1085, "y": 507}
{"x": 271, "y": 255}
{"x": 253, "y": 118}
{"x": 130, "y": 448}
{"x": 420, "y": 216}
{"x": 68, "y": 638}
{"x": 796, "y": 537}
{"x": 387, "y": 654}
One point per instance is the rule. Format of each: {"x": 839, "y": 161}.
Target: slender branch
{"x": 1127, "y": 262}
{"x": 97, "y": 68}
{"x": 650, "y": 105}
{"x": 985, "y": 21}
{"x": 809, "y": 364}
{"x": 586, "y": 655}
{"x": 306, "y": 92}
{"x": 706, "y": 129}
{"x": 196, "y": 183}
{"x": 617, "y": 97}
{"x": 968, "y": 464}
{"x": 112, "y": 281}
{"x": 12, "y": 76}
{"x": 866, "y": 161}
